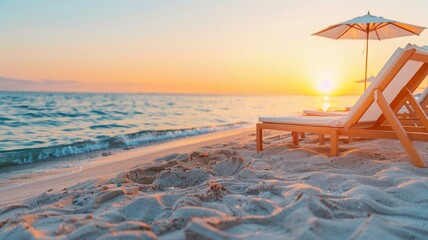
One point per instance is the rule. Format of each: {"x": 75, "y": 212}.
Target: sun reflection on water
{"x": 326, "y": 105}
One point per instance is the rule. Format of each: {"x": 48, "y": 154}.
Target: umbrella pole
{"x": 367, "y": 57}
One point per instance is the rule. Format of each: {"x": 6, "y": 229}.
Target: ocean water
{"x": 41, "y": 126}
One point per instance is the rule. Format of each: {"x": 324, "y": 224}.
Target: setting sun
{"x": 326, "y": 86}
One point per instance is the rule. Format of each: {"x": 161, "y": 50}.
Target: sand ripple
{"x": 230, "y": 192}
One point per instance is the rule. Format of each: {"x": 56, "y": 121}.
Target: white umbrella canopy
{"x": 369, "y": 27}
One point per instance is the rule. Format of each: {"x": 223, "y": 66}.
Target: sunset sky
{"x": 221, "y": 46}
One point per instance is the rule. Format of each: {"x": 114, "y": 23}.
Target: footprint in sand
{"x": 229, "y": 166}
{"x": 181, "y": 178}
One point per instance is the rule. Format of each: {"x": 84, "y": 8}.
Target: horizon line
{"x": 178, "y": 93}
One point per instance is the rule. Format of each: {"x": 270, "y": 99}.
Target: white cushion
{"x": 323, "y": 113}
{"x": 327, "y": 121}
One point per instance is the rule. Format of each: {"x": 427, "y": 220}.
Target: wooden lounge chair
{"x": 378, "y": 105}
{"x": 422, "y": 100}
{"x": 407, "y": 112}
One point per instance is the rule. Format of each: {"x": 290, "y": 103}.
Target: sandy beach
{"x": 216, "y": 186}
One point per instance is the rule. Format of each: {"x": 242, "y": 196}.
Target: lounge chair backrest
{"x": 389, "y": 81}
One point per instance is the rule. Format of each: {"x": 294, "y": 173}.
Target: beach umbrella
{"x": 369, "y": 27}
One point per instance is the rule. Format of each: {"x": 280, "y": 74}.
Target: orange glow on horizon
{"x": 145, "y": 46}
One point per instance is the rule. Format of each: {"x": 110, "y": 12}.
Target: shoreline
{"x": 89, "y": 148}
{"x": 115, "y": 163}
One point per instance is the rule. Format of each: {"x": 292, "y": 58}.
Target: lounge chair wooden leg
{"x": 295, "y": 136}
{"x": 399, "y": 130}
{"x": 302, "y": 135}
{"x": 259, "y": 138}
{"x": 334, "y": 143}
{"x": 321, "y": 139}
